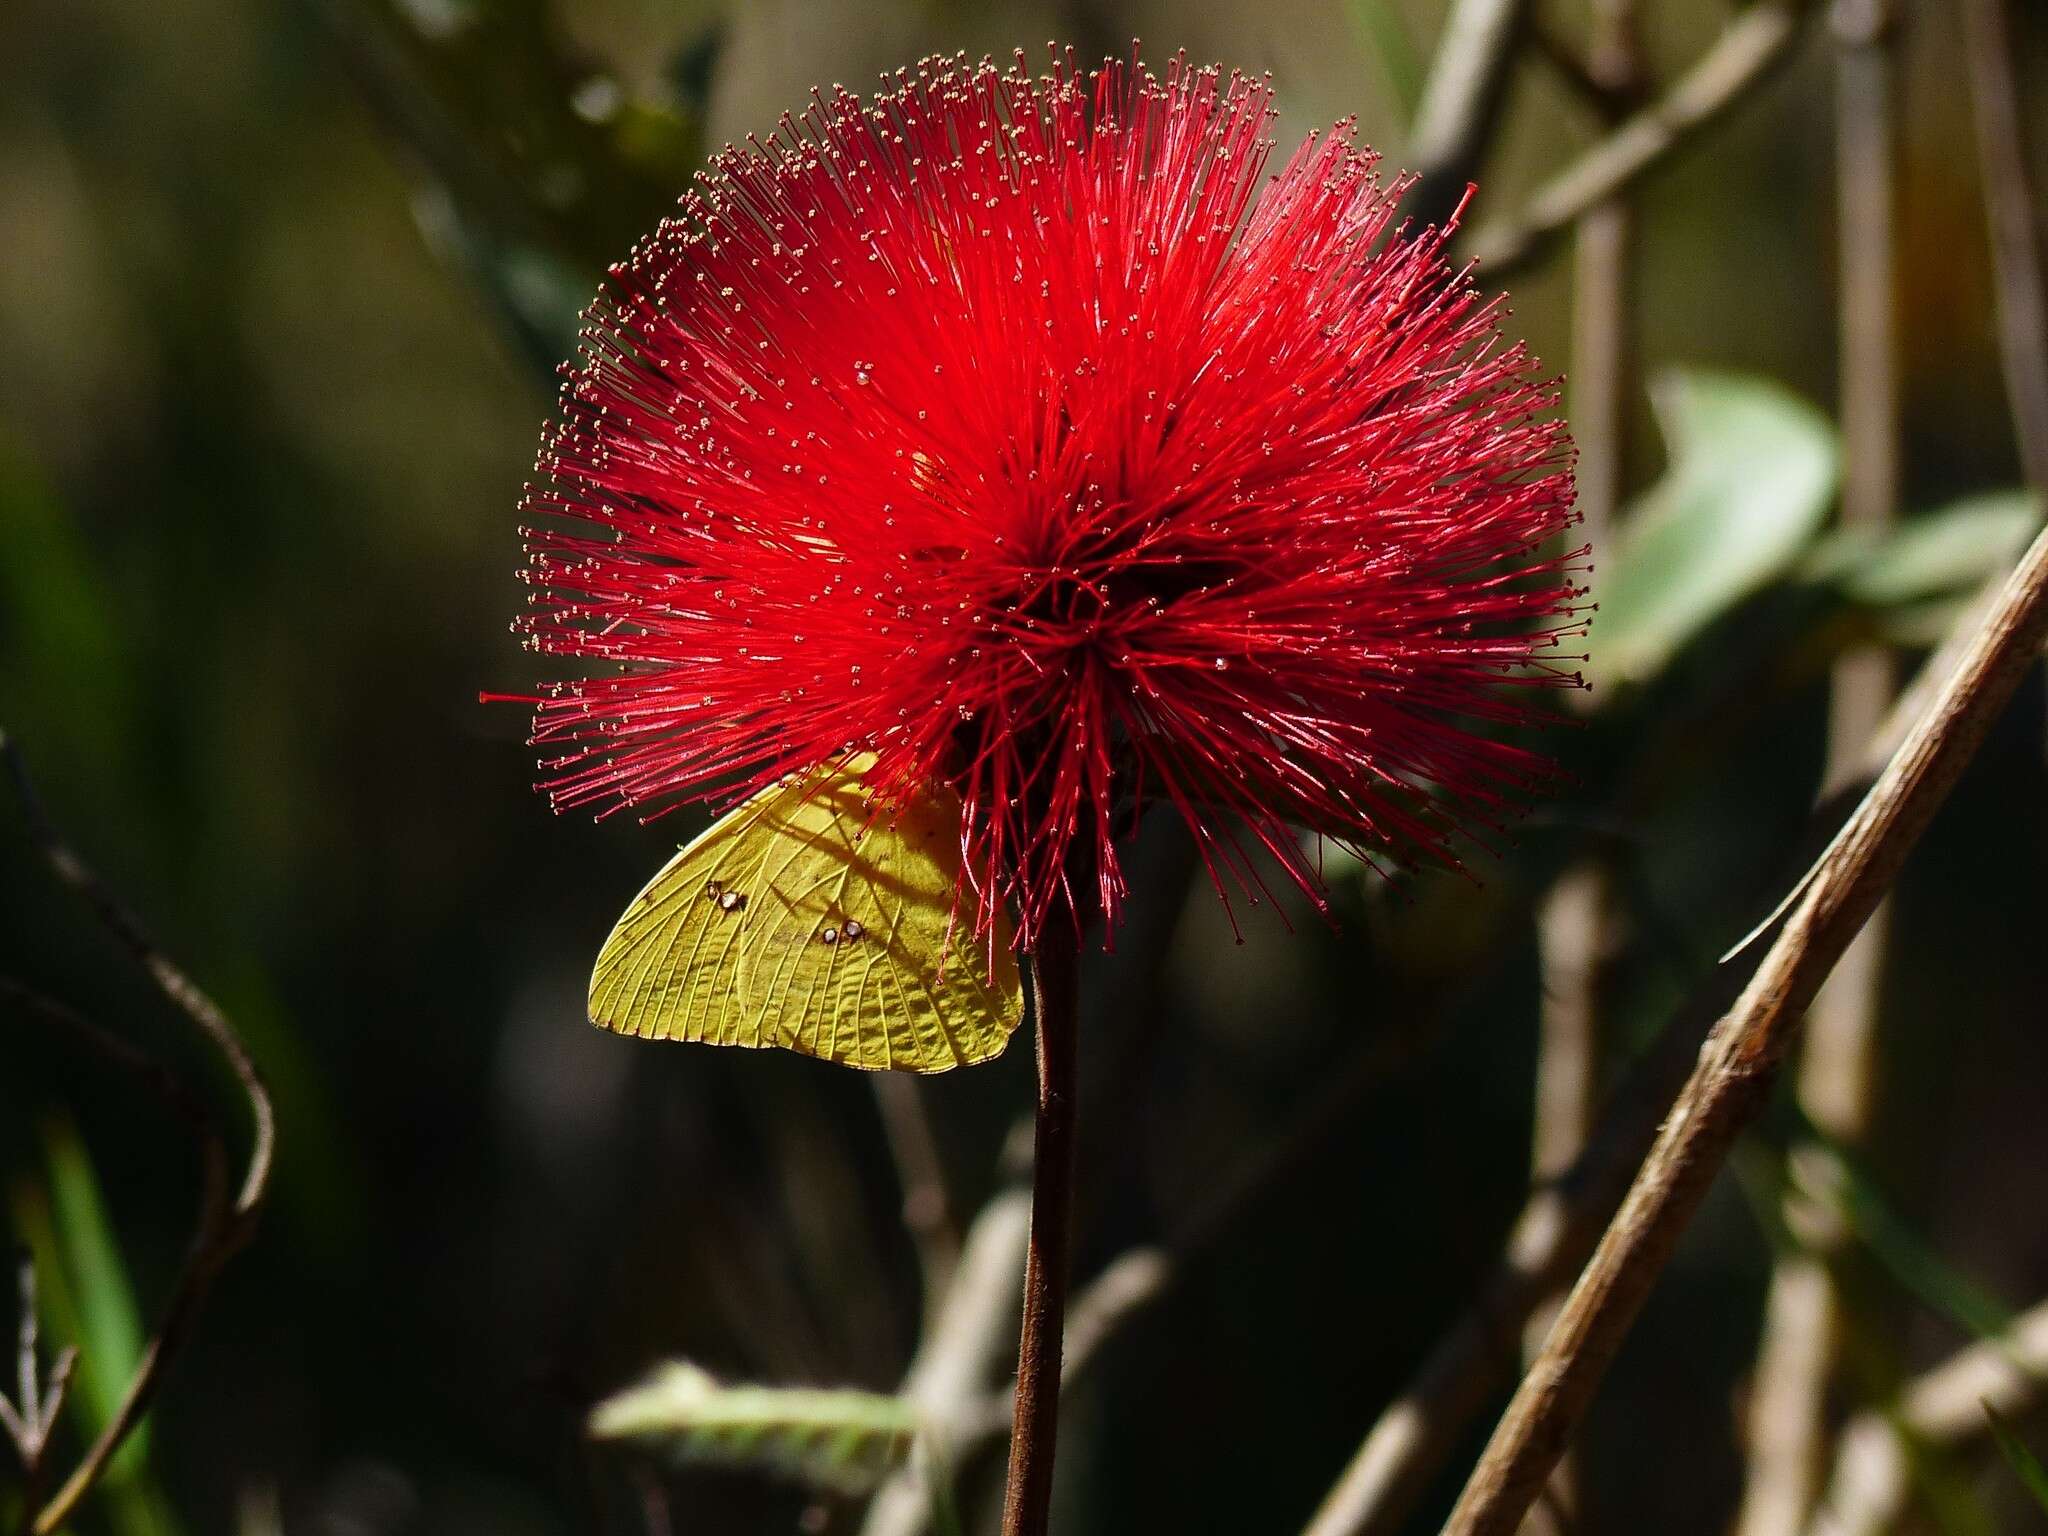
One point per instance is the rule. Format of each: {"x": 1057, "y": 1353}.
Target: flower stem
{"x": 1055, "y": 981}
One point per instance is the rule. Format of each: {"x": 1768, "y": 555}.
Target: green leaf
{"x": 839, "y": 1439}
{"x": 1381, "y": 27}
{"x": 1947, "y": 553}
{"x": 2032, "y": 1474}
{"x": 1921, "y": 626}
{"x": 1752, "y": 471}
{"x": 105, "y": 1321}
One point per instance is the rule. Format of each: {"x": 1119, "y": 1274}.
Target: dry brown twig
{"x": 227, "y": 1216}
{"x": 31, "y": 1418}
{"x": 1462, "y": 101}
{"x": 1838, "y": 894}
{"x": 1479, "y": 1354}
{"x": 1751, "y": 47}
{"x": 1868, "y": 1487}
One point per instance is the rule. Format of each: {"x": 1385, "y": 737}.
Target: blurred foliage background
{"x": 282, "y": 284}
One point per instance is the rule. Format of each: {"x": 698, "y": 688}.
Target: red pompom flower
{"x": 1025, "y": 433}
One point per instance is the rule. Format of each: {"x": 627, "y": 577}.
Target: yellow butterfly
{"x": 796, "y": 921}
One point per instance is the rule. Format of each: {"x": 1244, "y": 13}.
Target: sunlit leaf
{"x": 2032, "y": 1475}
{"x": 838, "y": 1439}
{"x": 1752, "y": 471}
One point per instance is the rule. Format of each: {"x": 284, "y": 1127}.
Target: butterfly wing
{"x": 670, "y": 969}
{"x": 729, "y": 943}
{"x": 859, "y": 958}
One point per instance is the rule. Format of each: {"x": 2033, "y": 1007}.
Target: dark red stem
{"x": 1055, "y": 983}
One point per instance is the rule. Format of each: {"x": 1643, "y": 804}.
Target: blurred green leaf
{"x": 535, "y": 169}
{"x": 537, "y": 145}
{"x": 843, "y": 1440}
{"x": 1752, "y": 471}
{"x": 534, "y": 295}
{"x": 1947, "y": 553}
{"x": 1920, "y": 626}
{"x": 107, "y": 1321}
{"x": 2033, "y": 1476}
{"x": 1380, "y": 26}
{"x": 55, "y": 613}
{"x": 1947, "y": 1492}
{"x": 1917, "y": 1265}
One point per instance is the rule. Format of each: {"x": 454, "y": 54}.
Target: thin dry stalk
{"x": 2022, "y": 294}
{"x": 30, "y": 1419}
{"x": 1574, "y": 934}
{"x": 1473, "y": 1360}
{"x": 226, "y": 1220}
{"x": 966, "y": 1336}
{"x": 1604, "y": 365}
{"x": 1838, "y": 894}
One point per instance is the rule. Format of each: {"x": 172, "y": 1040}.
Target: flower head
{"x": 1026, "y": 434}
